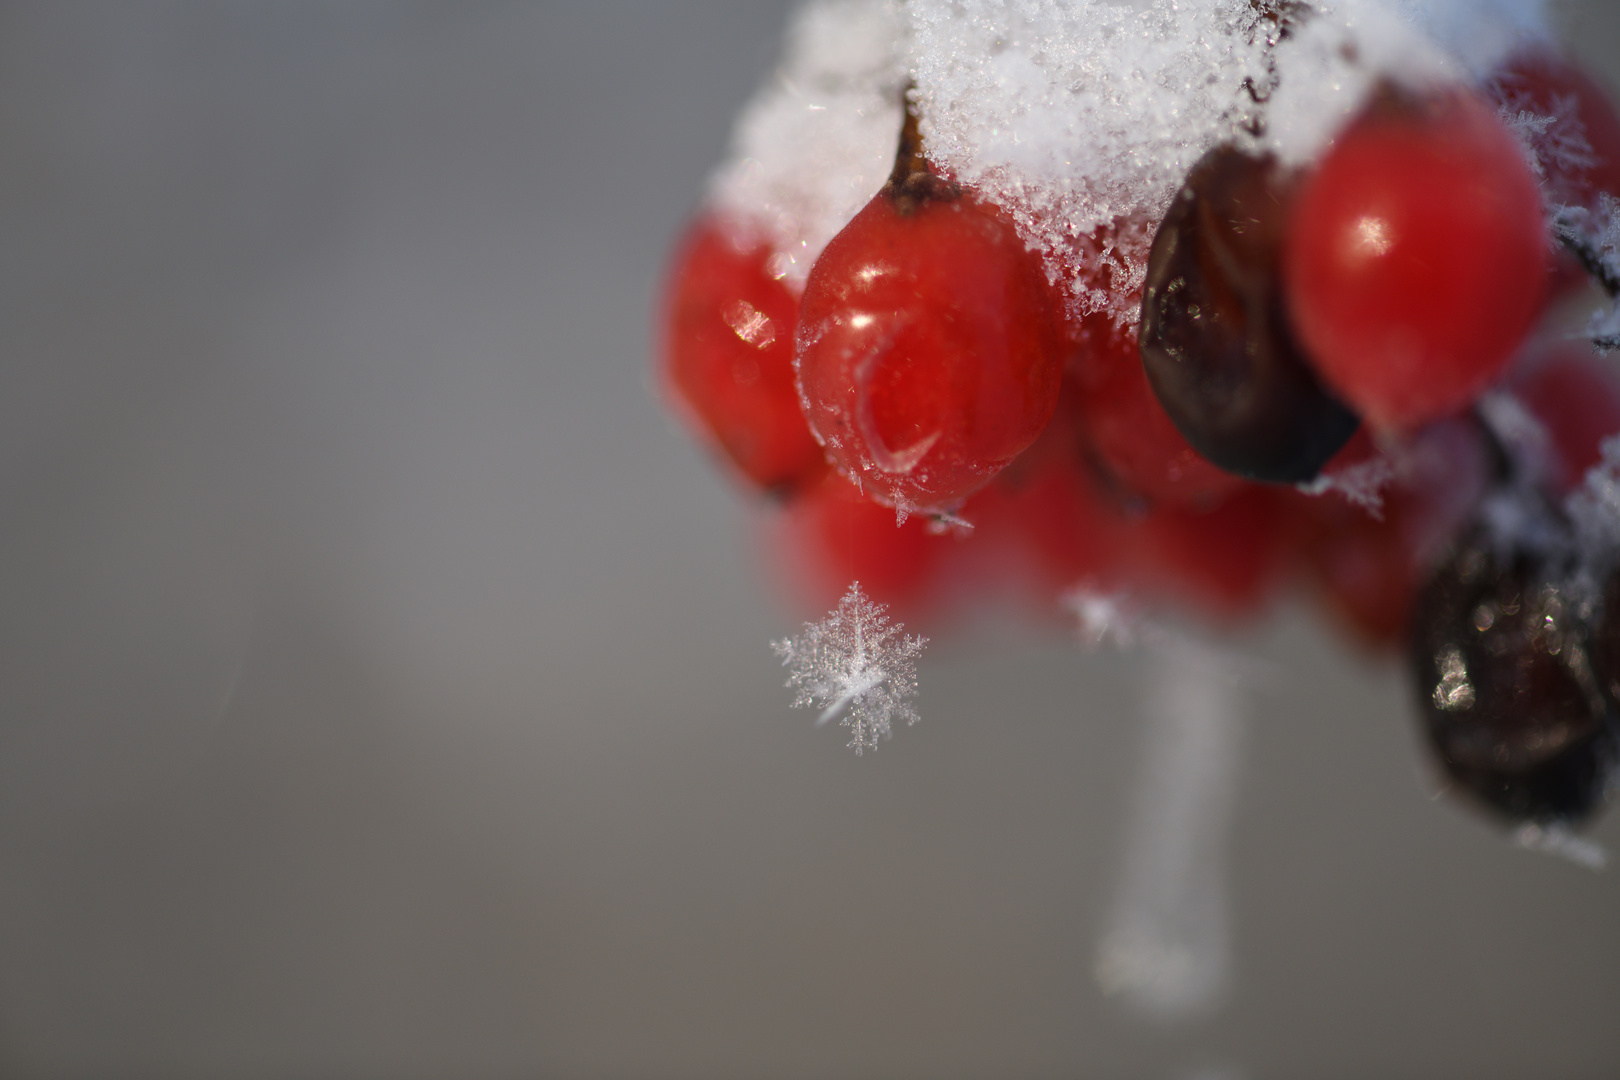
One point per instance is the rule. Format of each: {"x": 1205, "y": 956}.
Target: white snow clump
{"x": 1079, "y": 117}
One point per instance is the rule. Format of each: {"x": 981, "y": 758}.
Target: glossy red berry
{"x": 929, "y": 353}
{"x": 728, "y": 358}
{"x": 1415, "y": 258}
{"x": 1047, "y": 520}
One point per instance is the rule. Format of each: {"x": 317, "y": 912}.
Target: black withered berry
{"x": 1605, "y": 648}
{"x": 1506, "y": 688}
{"x": 1215, "y": 340}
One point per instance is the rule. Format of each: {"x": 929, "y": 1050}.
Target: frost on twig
{"x": 1593, "y": 510}
{"x": 855, "y": 664}
{"x": 1593, "y": 237}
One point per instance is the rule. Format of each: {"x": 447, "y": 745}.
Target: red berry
{"x": 1416, "y": 256}
{"x": 929, "y": 354}
{"x": 1047, "y": 520}
{"x": 1131, "y": 434}
{"x": 1369, "y": 568}
{"x": 1227, "y": 561}
{"x": 1576, "y": 396}
{"x": 834, "y": 535}
{"x": 728, "y": 358}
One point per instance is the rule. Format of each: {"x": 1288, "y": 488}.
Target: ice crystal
{"x": 1554, "y": 141}
{"x": 857, "y": 665}
{"x": 1110, "y": 618}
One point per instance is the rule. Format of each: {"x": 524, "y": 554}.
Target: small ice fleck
{"x": 1108, "y": 618}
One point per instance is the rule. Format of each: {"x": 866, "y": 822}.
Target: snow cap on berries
{"x": 1080, "y": 119}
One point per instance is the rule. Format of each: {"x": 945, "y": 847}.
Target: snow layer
{"x": 1079, "y": 117}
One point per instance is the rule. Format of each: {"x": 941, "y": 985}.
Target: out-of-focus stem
{"x": 1166, "y": 948}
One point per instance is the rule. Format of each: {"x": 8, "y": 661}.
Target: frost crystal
{"x": 1110, "y": 618}
{"x": 855, "y": 663}
{"x": 1361, "y": 484}
{"x": 1554, "y": 142}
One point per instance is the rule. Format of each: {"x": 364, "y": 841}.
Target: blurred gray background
{"x": 383, "y": 680}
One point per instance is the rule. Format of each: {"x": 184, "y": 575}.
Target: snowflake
{"x": 855, "y": 660}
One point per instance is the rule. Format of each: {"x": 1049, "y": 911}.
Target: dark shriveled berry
{"x": 1606, "y": 640}
{"x": 1506, "y": 690}
{"x": 1215, "y": 340}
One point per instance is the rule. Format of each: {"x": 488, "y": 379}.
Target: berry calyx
{"x": 929, "y": 354}
{"x": 728, "y": 359}
{"x": 1215, "y": 341}
{"x": 1415, "y": 257}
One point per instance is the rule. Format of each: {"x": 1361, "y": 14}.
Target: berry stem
{"x": 913, "y": 183}
{"x": 1591, "y": 259}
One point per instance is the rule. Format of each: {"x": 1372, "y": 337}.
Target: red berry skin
{"x": 1576, "y": 396}
{"x": 834, "y": 535}
{"x": 1131, "y": 435}
{"x": 1047, "y": 524}
{"x": 1367, "y": 569}
{"x": 929, "y": 353}
{"x": 1226, "y": 562}
{"x": 1416, "y": 257}
{"x": 728, "y": 359}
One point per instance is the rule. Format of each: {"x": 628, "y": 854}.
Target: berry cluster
{"x": 1336, "y": 379}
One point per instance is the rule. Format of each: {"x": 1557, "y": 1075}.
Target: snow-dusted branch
{"x": 1593, "y": 237}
